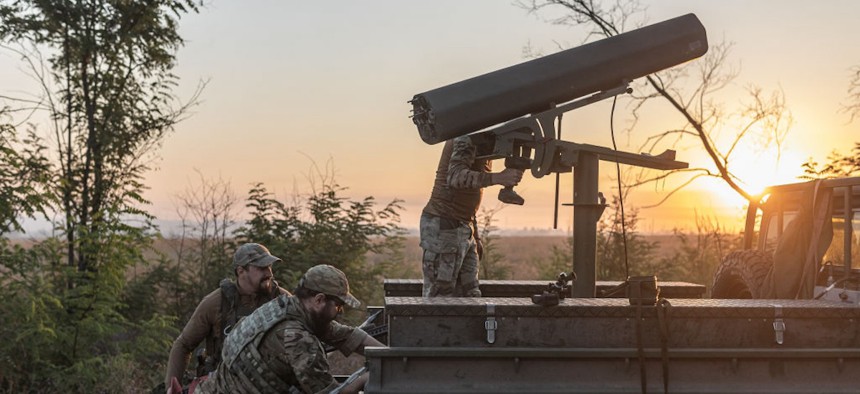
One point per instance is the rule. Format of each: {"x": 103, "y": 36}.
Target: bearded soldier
{"x": 278, "y": 348}
{"x": 220, "y": 309}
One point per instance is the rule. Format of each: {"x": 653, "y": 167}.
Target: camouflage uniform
{"x": 219, "y": 309}
{"x": 448, "y": 230}
{"x": 274, "y": 350}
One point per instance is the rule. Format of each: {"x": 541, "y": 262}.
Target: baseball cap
{"x": 254, "y": 254}
{"x": 331, "y": 282}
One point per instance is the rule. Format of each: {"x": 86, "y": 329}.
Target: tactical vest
{"x": 241, "y": 348}
{"x": 229, "y": 314}
{"x": 448, "y": 202}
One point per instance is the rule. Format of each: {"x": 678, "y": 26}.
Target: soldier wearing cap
{"x": 448, "y": 225}
{"x": 220, "y": 309}
{"x": 277, "y": 349}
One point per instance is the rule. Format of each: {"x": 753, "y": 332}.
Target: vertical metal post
{"x": 848, "y": 216}
{"x": 586, "y": 212}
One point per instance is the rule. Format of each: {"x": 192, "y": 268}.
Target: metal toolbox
{"x": 595, "y": 345}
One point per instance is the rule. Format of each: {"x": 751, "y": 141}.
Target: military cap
{"x": 331, "y": 282}
{"x": 254, "y": 254}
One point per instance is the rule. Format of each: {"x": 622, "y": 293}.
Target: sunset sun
{"x": 757, "y": 170}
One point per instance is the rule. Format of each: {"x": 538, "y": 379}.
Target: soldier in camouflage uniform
{"x": 277, "y": 348}
{"x": 220, "y": 309}
{"x": 448, "y": 225}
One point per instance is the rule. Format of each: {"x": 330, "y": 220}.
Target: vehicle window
{"x": 774, "y": 231}
{"x": 855, "y": 241}
{"x": 772, "y": 234}
{"x": 836, "y": 252}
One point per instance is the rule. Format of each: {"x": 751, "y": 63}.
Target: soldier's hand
{"x": 480, "y": 246}
{"x": 508, "y": 177}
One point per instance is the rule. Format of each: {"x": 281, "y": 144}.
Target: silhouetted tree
{"x": 689, "y": 90}
{"x": 103, "y": 69}
{"x": 327, "y": 228}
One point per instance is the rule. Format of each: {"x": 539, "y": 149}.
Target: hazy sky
{"x": 297, "y": 82}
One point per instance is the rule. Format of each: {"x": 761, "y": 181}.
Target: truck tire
{"x": 741, "y": 274}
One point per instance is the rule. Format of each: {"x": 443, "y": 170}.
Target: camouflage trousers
{"x": 450, "y": 262}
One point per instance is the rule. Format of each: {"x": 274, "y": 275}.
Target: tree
{"x": 24, "y": 175}
{"x": 196, "y": 259}
{"x": 104, "y": 73}
{"x": 690, "y": 92}
{"x": 207, "y": 211}
{"x": 106, "y": 88}
{"x": 852, "y": 107}
{"x": 327, "y": 228}
{"x": 621, "y": 250}
{"x": 837, "y": 165}
{"x": 840, "y": 164}
{"x": 698, "y": 254}
{"x": 492, "y": 264}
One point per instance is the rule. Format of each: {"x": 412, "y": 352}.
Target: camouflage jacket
{"x": 274, "y": 350}
{"x": 205, "y": 325}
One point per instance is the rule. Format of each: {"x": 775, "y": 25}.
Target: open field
{"x": 521, "y": 252}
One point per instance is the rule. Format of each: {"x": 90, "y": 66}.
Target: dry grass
{"x": 522, "y": 252}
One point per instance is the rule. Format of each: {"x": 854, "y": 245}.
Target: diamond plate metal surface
{"x": 619, "y": 307}
{"x": 525, "y": 288}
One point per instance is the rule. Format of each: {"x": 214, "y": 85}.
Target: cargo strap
{"x": 663, "y": 314}
{"x": 663, "y": 310}
{"x": 643, "y": 379}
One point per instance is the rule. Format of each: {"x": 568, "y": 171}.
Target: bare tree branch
{"x": 764, "y": 121}
{"x": 853, "y": 105}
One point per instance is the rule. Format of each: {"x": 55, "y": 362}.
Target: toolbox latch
{"x": 491, "y": 325}
{"x": 778, "y": 325}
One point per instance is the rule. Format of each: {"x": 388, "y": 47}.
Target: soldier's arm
{"x": 309, "y": 362}
{"x": 460, "y": 172}
{"x": 345, "y": 338}
{"x": 462, "y": 176}
{"x": 195, "y": 331}
{"x": 368, "y": 341}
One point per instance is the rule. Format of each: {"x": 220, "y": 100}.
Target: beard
{"x": 265, "y": 286}
{"x": 320, "y": 324}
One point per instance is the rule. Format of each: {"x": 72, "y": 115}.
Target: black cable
{"x": 620, "y": 194}
{"x": 555, "y": 209}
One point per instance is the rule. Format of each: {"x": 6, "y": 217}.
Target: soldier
{"x": 449, "y": 236}
{"x": 277, "y": 348}
{"x": 220, "y": 309}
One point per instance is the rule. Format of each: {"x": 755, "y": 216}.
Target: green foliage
{"x": 837, "y": 165}
{"x": 560, "y": 260}
{"x": 106, "y": 88}
{"x": 694, "y": 260}
{"x": 276, "y": 226}
{"x": 612, "y": 250}
{"x": 492, "y": 264}
{"x": 327, "y": 229}
{"x": 615, "y": 255}
{"x": 24, "y": 175}
{"x": 64, "y": 339}
{"x": 204, "y": 251}
{"x": 700, "y": 253}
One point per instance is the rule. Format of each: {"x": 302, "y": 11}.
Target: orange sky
{"x": 293, "y": 83}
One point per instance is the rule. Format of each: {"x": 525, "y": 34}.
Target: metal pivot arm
{"x": 536, "y": 130}
{"x": 547, "y": 136}
{"x": 516, "y": 139}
